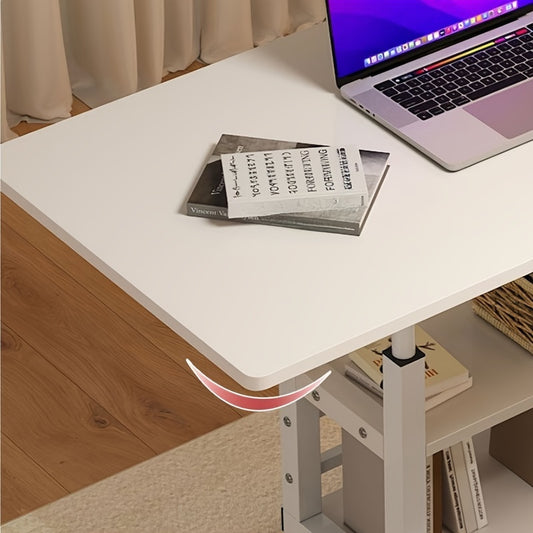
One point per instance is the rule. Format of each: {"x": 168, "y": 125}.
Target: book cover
{"x": 208, "y": 198}
{"x": 452, "y": 511}
{"x": 360, "y": 377}
{"x": 463, "y": 486}
{"x": 443, "y": 371}
{"x": 475, "y": 483}
{"x": 293, "y": 180}
{"x": 429, "y": 495}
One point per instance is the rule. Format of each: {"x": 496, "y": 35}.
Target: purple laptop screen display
{"x": 364, "y": 33}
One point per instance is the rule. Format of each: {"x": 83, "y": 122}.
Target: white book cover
{"x": 463, "y": 484}
{"x": 475, "y": 483}
{"x": 452, "y": 512}
{"x": 293, "y": 181}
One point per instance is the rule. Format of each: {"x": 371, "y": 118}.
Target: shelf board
{"x": 507, "y": 497}
{"x": 502, "y": 374}
{"x": 502, "y": 387}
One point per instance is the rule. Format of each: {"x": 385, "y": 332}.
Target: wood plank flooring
{"x": 92, "y": 383}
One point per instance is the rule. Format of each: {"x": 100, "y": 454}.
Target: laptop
{"x": 452, "y": 77}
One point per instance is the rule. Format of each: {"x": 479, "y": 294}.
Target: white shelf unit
{"x": 507, "y": 497}
{"x": 502, "y": 388}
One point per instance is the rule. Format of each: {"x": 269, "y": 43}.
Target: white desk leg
{"x": 404, "y": 435}
{"x": 300, "y": 459}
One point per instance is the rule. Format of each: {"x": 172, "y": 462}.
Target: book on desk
{"x": 272, "y": 182}
{"x": 208, "y": 198}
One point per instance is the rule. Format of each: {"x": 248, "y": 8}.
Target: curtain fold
{"x": 270, "y": 20}
{"x": 7, "y": 133}
{"x": 101, "y": 46}
{"x": 226, "y": 29}
{"x": 36, "y": 75}
{"x": 101, "y": 50}
{"x": 150, "y": 41}
{"x": 183, "y": 25}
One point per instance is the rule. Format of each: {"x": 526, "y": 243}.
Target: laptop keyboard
{"x": 453, "y": 82}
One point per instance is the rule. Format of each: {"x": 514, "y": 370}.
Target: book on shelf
{"x": 297, "y": 180}
{"x": 434, "y": 493}
{"x": 443, "y": 371}
{"x": 463, "y": 487}
{"x": 359, "y": 376}
{"x": 208, "y": 198}
{"x": 463, "y": 502}
{"x": 452, "y": 509}
{"x": 476, "y": 491}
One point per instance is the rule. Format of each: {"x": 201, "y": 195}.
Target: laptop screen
{"x": 370, "y": 34}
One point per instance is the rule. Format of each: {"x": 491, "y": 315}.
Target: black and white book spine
{"x": 463, "y": 485}
{"x": 294, "y": 181}
{"x": 475, "y": 483}
{"x": 430, "y": 495}
{"x": 452, "y": 510}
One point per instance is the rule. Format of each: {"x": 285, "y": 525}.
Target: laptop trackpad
{"x": 509, "y": 112}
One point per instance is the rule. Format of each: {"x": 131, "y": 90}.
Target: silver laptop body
{"x": 463, "y": 134}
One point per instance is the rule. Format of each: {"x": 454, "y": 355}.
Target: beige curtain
{"x": 101, "y": 50}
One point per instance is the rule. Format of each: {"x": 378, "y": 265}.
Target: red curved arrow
{"x": 254, "y": 403}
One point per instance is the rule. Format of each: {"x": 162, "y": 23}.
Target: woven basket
{"x": 510, "y": 309}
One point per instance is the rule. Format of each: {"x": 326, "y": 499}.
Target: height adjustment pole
{"x": 404, "y": 428}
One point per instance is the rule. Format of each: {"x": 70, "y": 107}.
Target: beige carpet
{"x": 226, "y": 481}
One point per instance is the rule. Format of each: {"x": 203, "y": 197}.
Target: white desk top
{"x": 267, "y": 303}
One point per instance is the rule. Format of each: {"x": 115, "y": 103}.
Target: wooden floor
{"x": 91, "y": 382}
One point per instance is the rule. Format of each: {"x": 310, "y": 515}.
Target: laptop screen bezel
{"x": 424, "y": 50}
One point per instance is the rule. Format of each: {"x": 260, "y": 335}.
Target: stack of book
{"x": 236, "y": 157}
{"x": 463, "y": 505}
{"x": 445, "y": 375}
